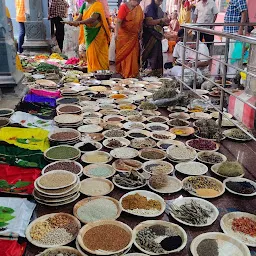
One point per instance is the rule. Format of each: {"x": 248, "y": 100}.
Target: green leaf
{"x": 3, "y": 224}
{"x": 4, "y": 184}
{"x": 6, "y": 217}
{"x": 6, "y": 210}
{"x": 20, "y": 184}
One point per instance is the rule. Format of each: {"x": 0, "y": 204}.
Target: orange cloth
{"x": 97, "y": 50}
{"x": 127, "y": 44}
{"x": 171, "y": 45}
{"x": 20, "y": 10}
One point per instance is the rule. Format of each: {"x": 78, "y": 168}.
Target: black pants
{"x": 209, "y": 39}
{"x": 59, "y": 30}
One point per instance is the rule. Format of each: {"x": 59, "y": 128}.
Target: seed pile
{"x": 243, "y": 187}
{"x": 157, "y": 128}
{"x": 158, "y": 181}
{"x": 67, "y": 166}
{"x": 152, "y": 154}
{"x": 178, "y": 122}
{"x": 129, "y": 180}
{"x": 158, "y": 169}
{"x": 138, "y": 135}
{"x": 180, "y": 152}
{"x": 147, "y": 106}
{"x": 107, "y": 238}
{"x": 210, "y": 158}
{"x": 143, "y": 143}
{"x": 230, "y": 169}
{"x": 147, "y": 239}
{"x": 69, "y": 109}
{"x": 60, "y": 229}
{"x": 135, "y": 118}
{"x": 191, "y": 212}
{"x": 64, "y": 136}
{"x": 115, "y": 133}
{"x": 238, "y": 134}
{"x": 55, "y": 180}
{"x": 208, "y": 247}
{"x": 161, "y": 136}
{"x": 62, "y": 152}
{"x": 136, "y": 201}
{"x": 111, "y": 125}
{"x": 157, "y": 119}
{"x": 136, "y": 125}
{"x": 113, "y": 143}
{"x": 95, "y": 187}
{"x": 97, "y": 209}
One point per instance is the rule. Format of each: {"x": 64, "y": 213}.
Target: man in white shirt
{"x": 206, "y": 12}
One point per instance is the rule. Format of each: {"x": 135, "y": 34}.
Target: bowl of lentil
{"x": 152, "y": 154}
{"x": 62, "y": 152}
{"x": 96, "y": 187}
{"x": 99, "y": 170}
{"x": 67, "y": 165}
{"x": 157, "y": 237}
{"x": 88, "y": 146}
{"x": 69, "y": 109}
{"x": 95, "y": 157}
{"x": 143, "y": 203}
{"x": 117, "y": 237}
{"x": 6, "y": 112}
{"x": 53, "y": 230}
{"x": 203, "y": 186}
{"x": 56, "y": 179}
{"x": 214, "y": 242}
{"x": 158, "y": 167}
{"x": 211, "y": 157}
{"x": 240, "y": 186}
{"x": 138, "y": 133}
{"x": 163, "y": 135}
{"x": 116, "y": 143}
{"x": 203, "y": 145}
{"x": 241, "y": 226}
{"x": 97, "y": 208}
{"x": 64, "y": 135}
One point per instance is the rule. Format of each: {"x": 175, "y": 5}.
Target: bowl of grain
{"x": 96, "y": 157}
{"x": 152, "y": 154}
{"x": 117, "y": 237}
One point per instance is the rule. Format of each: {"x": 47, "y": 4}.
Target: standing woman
{"x": 128, "y": 29}
{"x": 20, "y": 18}
{"x": 97, "y": 35}
{"x": 152, "y": 56}
{"x": 185, "y": 12}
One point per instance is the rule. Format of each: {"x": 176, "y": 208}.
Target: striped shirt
{"x": 234, "y": 14}
{"x": 20, "y": 10}
{"x": 58, "y": 8}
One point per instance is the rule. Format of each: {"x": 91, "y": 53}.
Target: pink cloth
{"x": 80, "y": 3}
{"x": 106, "y": 8}
{"x": 45, "y": 93}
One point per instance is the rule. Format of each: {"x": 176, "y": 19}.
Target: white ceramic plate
{"x": 203, "y": 203}
{"x": 226, "y": 226}
{"x": 191, "y": 168}
{"x": 239, "y": 180}
{"x": 145, "y": 213}
{"x": 227, "y": 244}
{"x": 181, "y": 232}
{"x": 174, "y": 185}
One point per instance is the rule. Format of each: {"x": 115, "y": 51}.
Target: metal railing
{"x": 199, "y": 28}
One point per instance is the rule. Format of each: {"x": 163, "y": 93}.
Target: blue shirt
{"x": 233, "y": 14}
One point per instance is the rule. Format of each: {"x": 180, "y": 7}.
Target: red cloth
{"x": 11, "y": 178}
{"x": 11, "y": 248}
{"x": 123, "y": 11}
{"x": 186, "y": 4}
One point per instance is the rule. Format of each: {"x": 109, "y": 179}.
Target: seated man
{"x": 190, "y": 57}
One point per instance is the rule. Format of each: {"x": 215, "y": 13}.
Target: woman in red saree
{"x": 128, "y": 29}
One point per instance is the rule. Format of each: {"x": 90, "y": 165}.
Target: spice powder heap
{"x": 137, "y": 201}
{"x": 107, "y": 238}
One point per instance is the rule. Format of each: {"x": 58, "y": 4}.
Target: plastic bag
{"x": 71, "y": 44}
{"x": 15, "y": 214}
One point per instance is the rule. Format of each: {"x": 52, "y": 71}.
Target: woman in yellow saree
{"x": 97, "y": 35}
{"x": 128, "y": 29}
